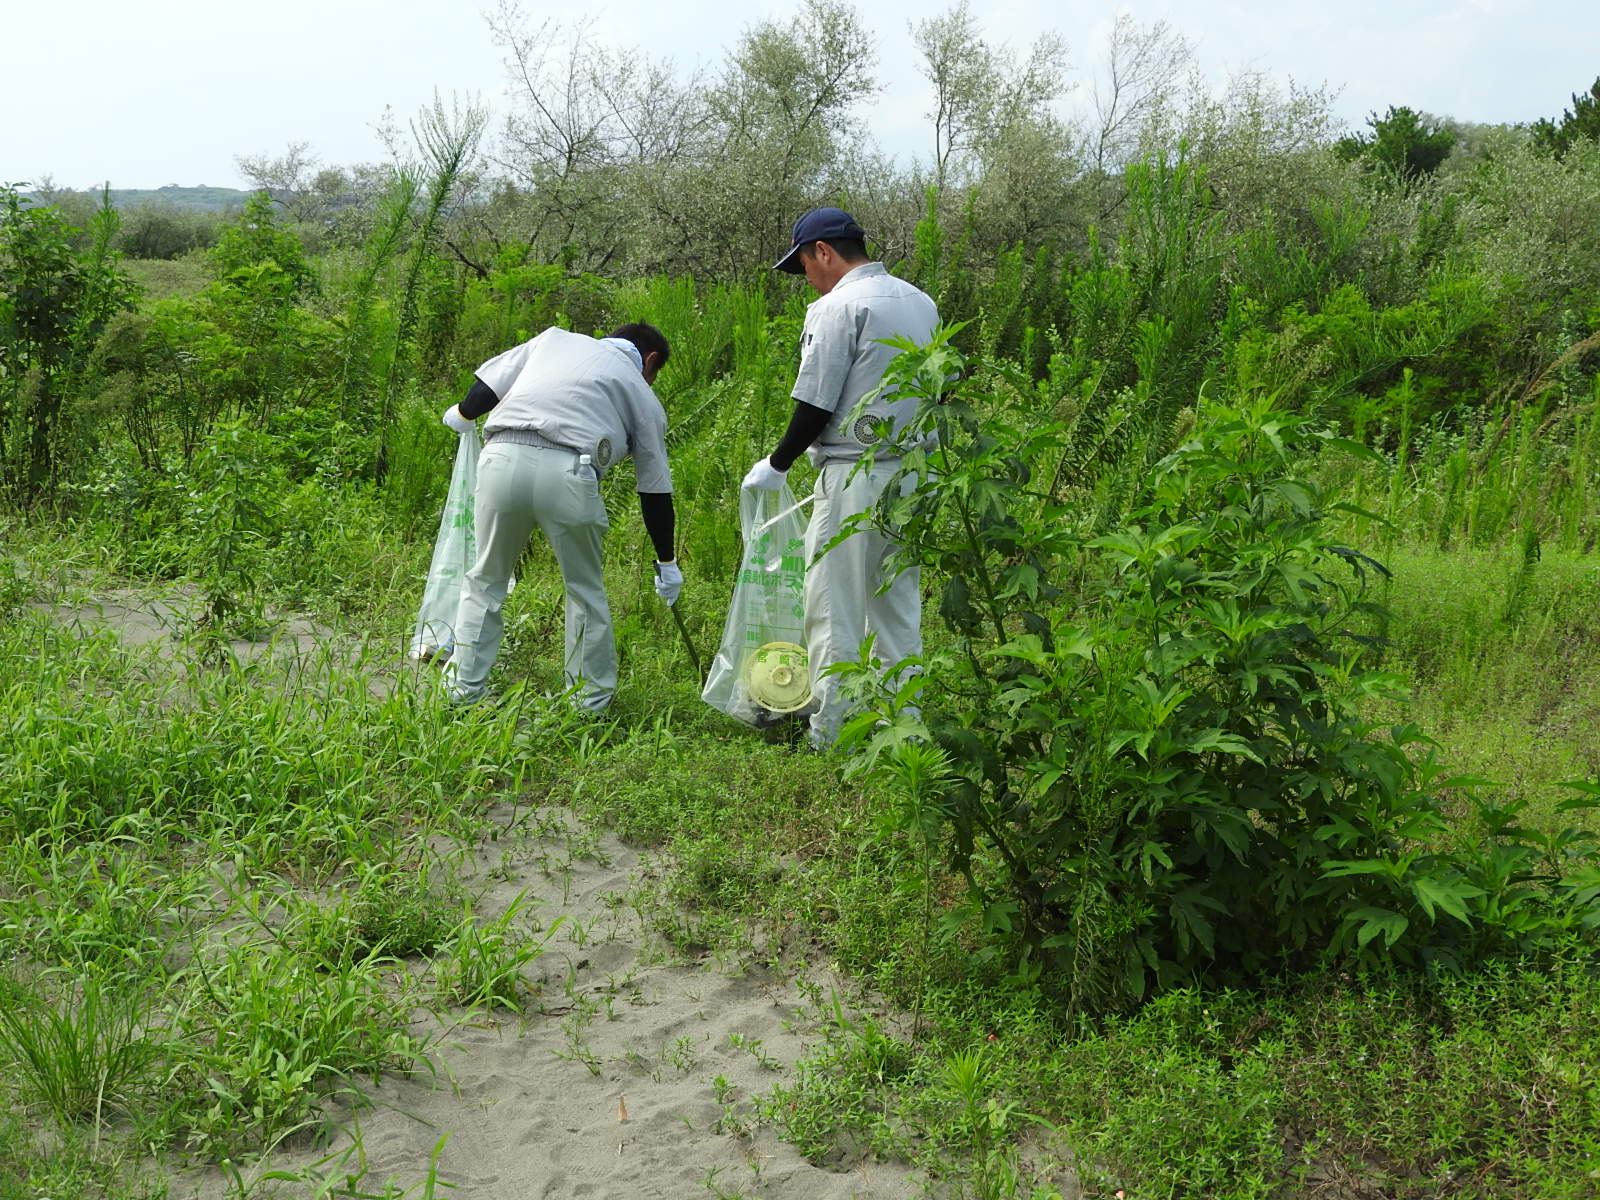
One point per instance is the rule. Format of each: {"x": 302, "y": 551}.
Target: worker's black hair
{"x": 646, "y": 338}
{"x": 850, "y": 249}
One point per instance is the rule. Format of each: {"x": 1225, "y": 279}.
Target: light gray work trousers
{"x": 520, "y": 487}
{"x": 842, "y": 600}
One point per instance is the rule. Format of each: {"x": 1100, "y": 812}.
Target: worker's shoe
{"x": 460, "y": 702}
{"x": 456, "y": 694}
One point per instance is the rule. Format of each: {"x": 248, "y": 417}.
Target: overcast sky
{"x": 149, "y": 92}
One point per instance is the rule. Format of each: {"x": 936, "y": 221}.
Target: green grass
{"x": 1501, "y": 661}
{"x": 209, "y": 880}
{"x": 1475, "y": 1088}
{"x": 238, "y": 847}
{"x": 166, "y": 278}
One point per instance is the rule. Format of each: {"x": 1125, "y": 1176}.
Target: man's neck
{"x": 844, "y": 269}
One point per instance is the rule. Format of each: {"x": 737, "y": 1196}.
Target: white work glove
{"x": 764, "y": 476}
{"x": 669, "y": 581}
{"x": 454, "y": 419}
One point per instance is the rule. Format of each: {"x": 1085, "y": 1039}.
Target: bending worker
{"x": 563, "y": 410}
{"x": 842, "y": 359}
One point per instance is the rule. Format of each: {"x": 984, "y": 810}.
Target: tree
{"x": 448, "y": 139}
{"x": 794, "y": 84}
{"x": 1404, "y": 144}
{"x": 325, "y": 202}
{"x": 1144, "y": 65}
{"x": 588, "y": 117}
{"x": 54, "y": 301}
{"x": 287, "y": 179}
{"x": 623, "y": 164}
{"x": 982, "y": 91}
{"x": 1263, "y": 146}
{"x": 961, "y": 68}
{"x": 1580, "y": 121}
{"x": 783, "y": 132}
{"x": 161, "y": 230}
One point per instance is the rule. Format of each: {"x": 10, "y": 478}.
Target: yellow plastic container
{"x": 777, "y": 677}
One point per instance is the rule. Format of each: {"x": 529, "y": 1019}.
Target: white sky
{"x": 149, "y": 92}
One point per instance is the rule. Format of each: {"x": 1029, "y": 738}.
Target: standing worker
{"x": 842, "y": 360}
{"x": 564, "y": 409}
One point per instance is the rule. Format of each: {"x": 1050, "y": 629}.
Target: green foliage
{"x": 927, "y": 261}
{"x": 82, "y": 1055}
{"x": 1243, "y": 1095}
{"x": 16, "y": 588}
{"x": 363, "y": 349}
{"x": 160, "y": 231}
{"x": 1403, "y": 145}
{"x": 146, "y": 380}
{"x": 481, "y": 964}
{"x": 227, "y": 519}
{"x": 153, "y": 822}
{"x": 1160, "y": 766}
{"x": 397, "y": 912}
{"x": 271, "y": 1034}
{"x": 54, "y": 300}
{"x": 1581, "y": 121}
{"x": 1362, "y": 360}
{"x": 449, "y": 139}
{"x": 1151, "y": 698}
{"x": 255, "y": 251}
{"x": 259, "y": 347}
{"x": 1526, "y": 224}
{"x": 1278, "y": 264}
{"x": 304, "y": 776}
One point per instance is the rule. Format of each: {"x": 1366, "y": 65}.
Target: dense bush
{"x": 1146, "y": 751}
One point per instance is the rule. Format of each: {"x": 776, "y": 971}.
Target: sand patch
{"x": 167, "y": 621}
{"x": 629, "y": 1073}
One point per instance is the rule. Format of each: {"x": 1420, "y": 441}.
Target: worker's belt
{"x": 526, "y": 437}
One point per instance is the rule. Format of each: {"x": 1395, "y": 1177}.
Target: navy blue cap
{"x": 816, "y": 225}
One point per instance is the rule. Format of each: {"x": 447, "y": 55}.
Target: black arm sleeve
{"x": 805, "y": 426}
{"x": 480, "y": 399}
{"x": 656, "y": 509}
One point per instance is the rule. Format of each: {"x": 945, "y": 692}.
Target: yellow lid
{"x": 777, "y": 677}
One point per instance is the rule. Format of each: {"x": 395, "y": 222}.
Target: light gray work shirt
{"x": 586, "y": 394}
{"x": 842, "y": 359}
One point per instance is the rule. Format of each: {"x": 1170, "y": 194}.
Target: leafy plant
{"x": 482, "y": 964}
{"x": 80, "y": 1054}
{"x": 1581, "y": 121}
{"x": 398, "y": 913}
{"x": 1403, "y": 145}
{"x": 229, "y": 520}
{"x": 270, "y": 1034}
{"x": 1157, "y": 760}
{"x": 54, "y": 300}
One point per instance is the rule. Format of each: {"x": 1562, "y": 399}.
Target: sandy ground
{"x": 630, "y": 1072}
{"x": 606, "y": 1084}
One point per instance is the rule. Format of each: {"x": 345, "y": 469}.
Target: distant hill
{"x": 192, "y": 199}
{"x": 207, "y": 199}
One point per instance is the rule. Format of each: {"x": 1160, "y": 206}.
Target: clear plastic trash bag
{"x": 453, "y": 553}
{"x": 760, "y": 674}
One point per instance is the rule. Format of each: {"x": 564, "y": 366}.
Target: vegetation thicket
{"x": 1235, "y": 836}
